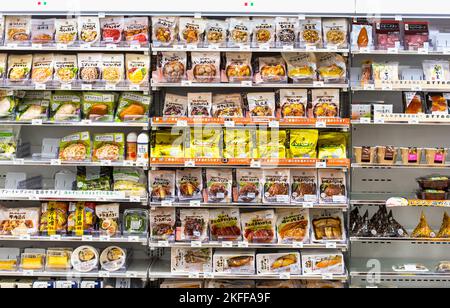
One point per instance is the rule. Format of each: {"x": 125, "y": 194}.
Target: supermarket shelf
{"x": 28, "y": 86}
{"x": 252, "y": 49}
{"x": 318, "y": 85}
{"x": 334, "y": 246}
{"x": 246, "y": 122}
{"x": 400, "y": 166}
{"x": 138, "y": 269}
{"x": 58, "y": 162}
{"x": 394, "y": 51}
{"x": 401, "y": 88}
{"x": 370, "y": 198}
{"x": 306, "y": 205}
{"x": 406, "y": 119}
{"x": 75, "y": 48}
{"x": 388, "y": 240}
{"x": 395, "y": 200}
{"x": 77, "y": 124}
{"x": 244, "y": 162}
{"x": 161, "y": 269}
{"x": 76, "y": 239}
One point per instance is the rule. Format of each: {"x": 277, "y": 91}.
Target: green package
{"x": 98, "y": 106}
{"x": 65, "y": 106}
{"x": 94, "y": 179}
{"x": 75, "y": 147}
{"x": 7, "y": 106}
{"x": 109, "y": 147}
{"x": 332, "y": 145}
{"x": 133, "y": 107}
{"x": 303, "y": 143}
{"x": 7, "y": 145}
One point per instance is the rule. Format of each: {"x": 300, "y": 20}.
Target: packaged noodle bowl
{"x": 192, "y": 30}
{"x": 89, "y": 29}
{"x": 90, "y": 67}
{"x": 112, "y": 29}
{"x": 206, "y": 67}
{"x": 276, "y": 186}
{"x": 54, "y": 217}
{"x": 301, "y": 66}
{"x": 42, "y": 70}
{"x": 227, "y": 106}
{"x": 311, "y": 32}
{"x": 199, "y": 104}
{"x": 173, "y": 66}
{"x": 292, "y": 225}
{"x": 113, "y": 68}
{"x": 109, "y": 147}
{"x": 65, "y": 106}
{"x": 136, "y": 29}
{"x": 304, "y": 185}
{"x": 138, "y": 67}
{"x": 237, "y": 143}
{"x": 294, "y": 103}
{"x": 335, "y": 32}
{"x": 164, "y": 30}
{"x": 17, "y": 29}
{"x": 168, "y": 144}
{"x": 240, "y": 30}
{"x": 19, "y": 67}
{"x": 66, "y": 31}
{"x": 219, "y": 185}
{"x": 332, "y": 145}
{"x": 42, "y": 31}
{"x": 303, "y": 143}
{"x": 249, "y": 186}
{"x": 66, "y": 68}
{"x": 189, "y": 184}
{"x": 261, "y": 104}
{"x": 132, "y": 107}
{"x": 264, "y": 31}
{"x": 82, "y": 218}
{"x": 162, "y": 185}
{"x": 332, "y": 67}
{"x": 216, "y": 32}
{"x": 98, "y": 106}
{"x": 325, "y": 103}
{"x": 175, "y": 105}
{"x": 286, "y": 29}
{"x": 205, "y": 143}
{"x": 75, "y": 147}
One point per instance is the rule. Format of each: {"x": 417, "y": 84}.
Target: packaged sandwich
{"x": 162, "y": 224}
{"x": 225, "y": 225}
{"x": 173, "y": 66}
{"x": 236, "y": 262}
{"x": 327, "y": 225}
{"x": 192, "y": 30}
{"x": 281, "y": 262}
{"x": 303, "y": 143}
{"x": 293, "y": 103}
{"x": 261, "y": 105}
{"x": 227, "y": 106}
{"x": 194, "y": 225}
{"x": 311, "y": 32}
{"x": 219, "y": 185}
{"x": 164, "y": 30}
{"x": 332, "y": 186}
{"x": 175, "y": 105}
{"x": 304, "y": 185}
{"x": 109, "y": 147}
{"x": 249, "y": 185}
{"x": 66, "y": 31}
{"x": 199, "y": 104}
{"x": 189, "y": 184}
{"x": 205, "y": 67}
{"x": 292, "y": 225}
{"x": 162, "y": 185}
{"x": 238, "y": 66}
{"x": 325, "y": 103}
{"x": 259, "y": 227}
{"x": 276, "y": 186}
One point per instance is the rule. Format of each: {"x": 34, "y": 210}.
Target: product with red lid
{"x": 416, "y": 35}
{"x": 388, "y": 34}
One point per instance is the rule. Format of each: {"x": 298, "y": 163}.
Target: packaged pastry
{"x": 65, "y": 106}
{"x": 135, "y": 221}
{"x": 388, "y": 71}
{"x": 423, "y": 230}
{"x": 411, "y": 155}
{"x": 19, "y": 221}
{"x": 89, "y": 29}
{"x": 17, "y": 29}
{"x": 42, "y": 70}
{"x": 259, "y": 227}
{"x": 416, "y": 34}
{"x": 33, "y": 108}
{"x": 205, "y": 143}
{"x": 438, "y": 103}
{"x": 227, "y": 106}
{"x": 335, "y": 32}
{"x": 362, "y": 35}
{"x": 81, "y": 218}
{"x": 240, "y": 30}
{"x": 138, "y": 68}
{"x": 303, "y": 143}
{"x": 311, "y": 32}
{"x": 75, "y": 147}
{"x": 236, "y": 262}
{"x": 173, "y": 66}
{"x": 162, "y": 185}
{"x": 292, "y": 225}
{"x": 8, "y": 145}
{"x": 365, "y": 154}
{"x": 436, "y": 70}
{"x": 270, "y": 144}
{"x": 387, "y": 155}
{"x": 301, "y": 66}
{"x": 112, "y": 29}
{"x": 199, "y": 104}
{"x": 108, "y": 218}
{"x": 175, "y": 105}
{"x": 272, "y": 69}
{"x": 331, "y": 67}
{"x": 303, "y": 185}
{"x": 42, "y": 31}
{"x": 436, "y": 156}
{"x": 332, "y": 145}
{"x": 276, "y": 186}
{"x": 136, "y": 29}
{"x": 319, "y": 263}
{"x": 58, "y": 259}
{"x": 388, "y": 34}
{"x": 164, "y": 30}
{"x": 132, "y": 107}
{"x": 261, "y": 105}
{"x": 294, "y": 103}
{"x": 286, "y": 30}
{"x": 109, "y": 147}
{"x": 113, "y": 259}
{"x": 19, "y": 67}
{"x": 249, "y": 188}
{"x": 194, "y": 225}
{"x": 66, "y": 31}
{"x": 225, "y": 224}
{"x": 85, "y": 259}
{"x": 113, "y": 67}
{"x": 238, "y": 143}
{"x": 168, "y": 144}
{"x": 32, "y": 259}
{"x": 191, "y": 260}
{"x": 162, "y": 224}
{"x": 414, "y": 103}
{"x": 219, "y": 185}
{"x": 131, "y": 182}
{"x": 239, "y": 66}
{"x": 325, "y": 103}
{"x": 189, "y": 184}
{"x": 93, "y": 179}
{"x": 205, "y": 67}
{"x": 90, "y": 66}
{"x": 54, "y": 217}
{"x": 98, "y": 106}
{"x": 332, "y": 186}
{"x": 216, "y": 32}
{"x": 192, "y": 30}
{"x": 281, "y": 262}
{"x": 327, "y": 225}
{"x": 264, "y": 30}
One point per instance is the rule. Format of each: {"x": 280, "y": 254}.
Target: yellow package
{"x": 168, "y": 144}
{"x": 332, "y": 145}
{"x": 270, "y": 144}
{"x": 205, "y": 143}
{"x": 303, "y": 143}
{"x": 237, "y": 143}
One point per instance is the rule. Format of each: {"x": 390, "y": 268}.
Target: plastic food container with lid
{"x": 85, "y": 259}
{"x": 366, "y": 155}
{"x": 113, "y": 259}
{"x": 434, "y": 183}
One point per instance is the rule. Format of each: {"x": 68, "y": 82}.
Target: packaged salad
{"x": 249, "y": 185}
{"x": 135, "y": 221}
{"x": 225, "y": 225}
{"x": 136, "y": 29}
{"x": 66, "y": 68}
{"x": 175, "y": 105}
{"x": 199, "y": 104}
{"x": 17, "y": 29}
{"x": 286, "y": 30}
{"x": 264, "y": 30}
{"x": 189, "y": 184}
{"x": 261, "y": 104}
{"x": 227, "y": 106}
{"x": 294, "y": 103}
{"x": 301, "y": 67}
{"x": 112, "y": 29}
{"x": 239, "y": 66}
{"x": 325, "y": 103}
{"x": 8, "y": 145}
{"x": 89, "y": 29}
{"x": 311, "y": 32}
{"x": 162, "y": 224}
{"x": 113, "y": 68}
{"x": 98, "y": 106}
{"x": 161, "y": 185}
{"x": 54, "y": 217}
{"x": 75, "y": 147}
{"x": 303, "y": 143}
{"x": 93, "y": 178}
{"x": 304, "y": 186}
{"x": 276, "y": 186}
{"x": 66, "y": 31}
{"x": 42, "y": 71}
{"x": 206, "y": 67}
{"x": 219, "y": 185}
{"x": 173, "y": 66}
{"x": 240, "y": 30}
{"x": 109, "y": 147}
{"x": 259, "y": 227}
{"x": 164, "y": 30}
{"x": 82, "y": 219}
{"x": 3, "y": 65}
{"x": 90, "y": 67}
{"x": 192, "y": 30}
{"x": 129, "y": 181}
{"x": 216, "y": 32}
{"x": 8, "y": 106}
{"x": 138, "y": 68}
{"x": 42, "y": 31}
{"x": 19, "y": 67}
{"x": 132, "y": 107}
{"x": 65, "y": 106}
{"x": 108, "y": 218}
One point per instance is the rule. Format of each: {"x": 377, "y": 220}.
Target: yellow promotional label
{"x": 52, "y": 219}
{"x": 79, "y": 220}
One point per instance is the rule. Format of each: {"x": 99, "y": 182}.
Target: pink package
{"x": 416, "y": 34}
{"x": 388, "y": 34}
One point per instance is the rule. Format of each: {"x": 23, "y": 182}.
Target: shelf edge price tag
{"x": 25, "y": 237}
{"x": 28, "y": 273}
{"x": 40, "y": 86}
{"x": 308, "y": 205}
{"x": 413, "y": 121}
{"x": 110, "y": 87}
{"x": 66, "y": 86}
{"x": 321, "y": 124}
{"x": 128, "y": 163}
{"x": 61, "y": 46}
{"x": 247, "y": 83}
{"x": 331, "y": 245}
{"x": 393, "y": 50}
{"x": 105, "y": 162}
{"x": 321, "y": 164}
{"x": 196, "y": 244}
{"x": 285, "y": 276}
{"x": 327, "y": 276}
{"x": 166, "y": 203}
{"x": 298, "y": 245}
{"x": 387, "y": 87}
{"x": 255, "y": 164}
{"x": 55, "y": 162}
{"x": 423, "y": 51}
{"x": 229, "y": 124}
{"x": 135, "y": 87}
{"x": 86, "y": 87}
{"x": 186, "y": 83}
{"x": 288, "y": 48}
{"x": 189, "y": 163}
{"x": 274, "y": 124}
{"x": 36, "y": 122}
{"x": 318, "y": 84}
{"x": 105, "y": 238}
{"x": 132, "y": 275}
{"x": 194, "y": 275}
{"x": 227, "y": 244}
{"x": 18, "y": 161}
{"x": 104, "y": 274}
{"x": 194, "y": 203}
{"x": 133, "y": 239}
{"x": 243, "y": 244}
{"x": 369, "y": 87}
{"x": 364, "y": 120}
{"x": 111, "y": 46}
{"x": 208, "y": 275}
{"x": 87, "y": 238}
{"x": 182, "y": 123}
{"x": 379, "y": 121}
{"x": 135, "y": 199}
{"x": 163, "y": 244}
{"x": 55, "y": 237}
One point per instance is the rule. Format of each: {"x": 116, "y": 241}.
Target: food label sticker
{"x": 163, "y": 243}
{"x": 25, "y": 237}
{"x": 86, "y": 87}
{"x": 311, "y": 47}
{"x": 87, "y": 238}
{"x": 364, "y": 50}
{"x": 274, "y": 124}
{"x": 247, "y": 83}
{"x": 191, "y": 47}
{"x": 101, "y": 15}
{"x": 310, "y": 198}
{"x": 245, "y": 48}
{"x": 387, "y": 87}
{"x": 416, "y": 88}
{"x": 398, "y": 17}
{"x": 208, "y": 275}
{"x": 135, "y": 87}
{"x": 413, "y": 121}
{"x": 301, "y": 17}
{"x": 364, "y": 120}
{"x": 255, "y": 164}
{"x": 182, "y": 123}
{"x": 12, "y": 45}
{"x": 85, "y": 46}
{"x": 288, "y": 48}
{"x": 55, "y": 162}
{"x": 379, "y": 121}
{"x": 105, "y": 162}
{"x": 166, "y": 203}
{"x": 135, "y": 199}
{"x": 194, "y": 203}
{"x": 178, "y": 47}
{"x": 229, "y": 124}
{"x": 321, "y": 124}
{"x": 327, "y": 276}
{"x": 111, "y": 46}
{"x": 194, "y": 275}
{"x": 18, "y": 161}
{"x": 104, "y": 274}
{"x": 330, "y": 245}
{"x": 318, "y": 84}
{"x": 186, "y": 83}
{"x": 36, "y": 122}
{"x": 446, "y": 51}
{"x": 298, "y": 245}
{"x": 40, "y": 86}
{"x": 339, "y": 199}
{"x": 105, "y": 238}
{"x": 133, "y": 239}
{"x": 189, "y": 163}
{"x": 33, "y": 198}
{"x": 227, "y": 244}
{"x": 332, "y": 47}
{"x": 264, "y": 47}
{"x": 66, "y": 86}
{"x": 321, "y": 164}
{"x": 285, "y": 276}
{"x": 243, "y": 244}
{"x": 36, "y": 46}
{"x": 195, "y": 244}
{"x": 28, "y": 273}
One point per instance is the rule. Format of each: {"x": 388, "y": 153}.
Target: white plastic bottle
{"x": 142, "y": 147}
